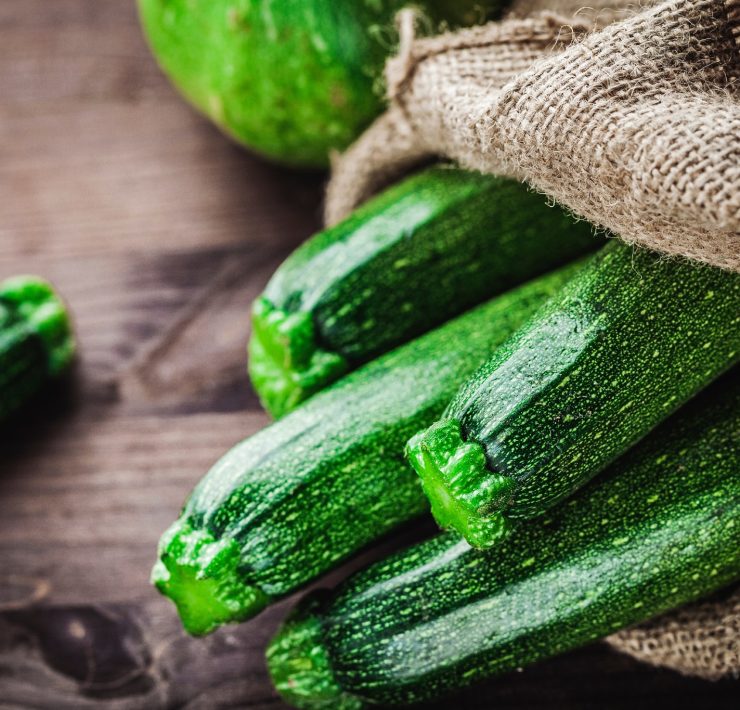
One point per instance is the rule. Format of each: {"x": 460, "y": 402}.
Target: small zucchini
{"x": 291, "y": 502}
{"x": 36, "y": 341}
{"x": 627, "y": 341}
{"x": 660, "y": 529}
{"x": 418, "y": 254}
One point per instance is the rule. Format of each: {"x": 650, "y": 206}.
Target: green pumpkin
{"x": 292, "y": 79}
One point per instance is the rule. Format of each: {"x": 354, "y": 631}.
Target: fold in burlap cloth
{"x": 627, "y": 114}
{"x": 635, "y": 127}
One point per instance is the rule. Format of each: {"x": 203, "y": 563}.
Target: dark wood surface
{"x": 159, "y": 232}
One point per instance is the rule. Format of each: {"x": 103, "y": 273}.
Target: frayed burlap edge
{"x": 391, "y": 147}
{"x": 644, "y": 146}
{"x": 597, "y": 12}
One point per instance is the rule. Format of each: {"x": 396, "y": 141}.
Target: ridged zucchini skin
{"x": 660, "y": 529}
{"x": 629, "y": 339}
{"x": 289, "y": 503}
{"x": 36, "y": 340}
{"x": 423, "y": 251}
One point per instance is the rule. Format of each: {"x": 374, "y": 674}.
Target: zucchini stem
{"x": 298, "y": 662}
{"x": 456, "y": 479}
{"x": 286, "y": 364}
{"x": 200, "y": 575}
{"x": 34, "y": 302}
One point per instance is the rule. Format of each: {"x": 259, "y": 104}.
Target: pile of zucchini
{"x": 460, "y": 346}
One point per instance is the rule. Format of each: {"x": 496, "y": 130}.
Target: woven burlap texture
{"x": 635, "y": 127}
{"x": 701, "y": 639}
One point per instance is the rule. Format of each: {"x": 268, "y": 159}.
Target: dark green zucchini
{"x": 420, "y": 253}
{"x": 660, "y": 529}
{"x": 36, "y": 340}
{"x": 622, "y": 346}
{"x": 289, "y": 503}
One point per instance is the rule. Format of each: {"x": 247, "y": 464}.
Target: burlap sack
{"x": 635, "y": 127}
{"x": 626, "y": 112}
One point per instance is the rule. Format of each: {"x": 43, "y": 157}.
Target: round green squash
{"x": 292, "y": 79}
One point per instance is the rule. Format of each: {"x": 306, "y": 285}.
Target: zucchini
{"x": 289, "y": 503}
{"x": 622, "y": 346}
{"x": 36, "y": 340}
{"x": 660, "y": 529}
{"x": 420, "y": 253}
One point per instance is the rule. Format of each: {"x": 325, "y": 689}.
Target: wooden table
{"x": 159, "y": 232}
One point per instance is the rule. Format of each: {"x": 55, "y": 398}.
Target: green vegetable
{"x": 623, "y": 345}
{"x": 659, "y": 530}
{"x": 293, "y": 79}
{"x": 423, "y": 251}
{"x": 289, "y": 503}
{"x": 36, "y": 340}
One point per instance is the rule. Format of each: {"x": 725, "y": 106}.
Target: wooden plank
{"x": 74, "y": 49}
{"x": 120, "y": 176}
{"x": 99, "y": 154}
{"x": 82, "y": 506}
{"x": 129, "y": 657}
{"x": 163, "y": 329}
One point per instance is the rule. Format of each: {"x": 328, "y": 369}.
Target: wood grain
{"x": 159, "y": 232}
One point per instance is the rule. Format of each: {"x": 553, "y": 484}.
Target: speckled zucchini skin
{"x": 289, "y": 503}
{"x": 293, "y": 79}
{"x": 622, "y": 346}
{"x": 660, "y": 529}
{"x": 36, "y": 342}
{"x": 420, "y": 253}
